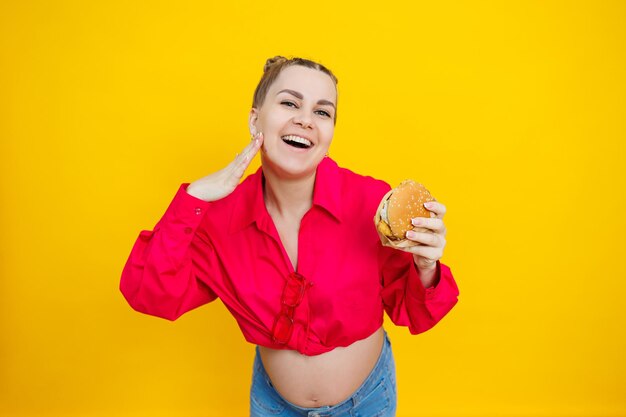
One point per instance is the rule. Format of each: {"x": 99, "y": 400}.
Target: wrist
{"x": 424, "y": 265}
{"x": 193, "y": 191}
{"x": 428, "y": 273}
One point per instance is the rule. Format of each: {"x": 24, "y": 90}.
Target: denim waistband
{"x": 355, "y": 398}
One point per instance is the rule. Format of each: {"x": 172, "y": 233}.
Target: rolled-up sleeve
{"x": 167, "y": 270}
{"x": 405, "y": 299}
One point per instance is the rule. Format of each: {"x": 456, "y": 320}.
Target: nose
{"x": 303, "y": 120}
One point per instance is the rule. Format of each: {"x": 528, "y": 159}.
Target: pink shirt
{"x": 231, "y": 249}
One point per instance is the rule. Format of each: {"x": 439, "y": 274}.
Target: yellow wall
{"x": 512, "y": 113}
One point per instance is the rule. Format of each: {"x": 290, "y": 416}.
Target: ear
{"x": 252, "y": 121}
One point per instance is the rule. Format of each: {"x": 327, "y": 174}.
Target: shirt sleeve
{"x": 405, "y": 299}
{"x": 166, "y": 272}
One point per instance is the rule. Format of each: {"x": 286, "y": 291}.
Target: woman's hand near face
{"x": 432, "y": 242}
{"x": 221, "y": 183}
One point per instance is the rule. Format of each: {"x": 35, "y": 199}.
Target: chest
{"x": 288, "y": 232}
{"x": 338, "y": 258}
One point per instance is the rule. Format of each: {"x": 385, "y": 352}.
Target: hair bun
{"x": 276, "y": 60}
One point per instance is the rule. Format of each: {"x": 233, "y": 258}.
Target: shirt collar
{"x": 326, "y": 194}
{"x": 327, "y": 189}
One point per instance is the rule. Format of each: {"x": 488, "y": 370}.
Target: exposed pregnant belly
{"x": 326, "y": 379}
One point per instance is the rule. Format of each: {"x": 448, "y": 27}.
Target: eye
{"x": 322, "y": 113}
{"x": 288, "y": 103}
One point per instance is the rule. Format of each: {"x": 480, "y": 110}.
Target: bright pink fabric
{"x": 230, "y": 249}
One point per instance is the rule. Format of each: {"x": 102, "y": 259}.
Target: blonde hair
{"x": 272, "y": 69}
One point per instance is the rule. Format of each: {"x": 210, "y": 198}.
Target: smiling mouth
{"x": 297, "y": 141}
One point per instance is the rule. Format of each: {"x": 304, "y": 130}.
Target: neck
{"x": 287, "y": 197}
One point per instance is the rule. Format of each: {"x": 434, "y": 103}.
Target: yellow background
{"x": 512, "y": 113}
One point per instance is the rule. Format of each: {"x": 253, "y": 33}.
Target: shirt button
{"x": 188, "y": 230}
{"x": 198, "y": 211}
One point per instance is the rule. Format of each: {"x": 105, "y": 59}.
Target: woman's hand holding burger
{"x": 410, "y": 219}
{"x": 221, "y": 183}
{"x": 431, "y": 241}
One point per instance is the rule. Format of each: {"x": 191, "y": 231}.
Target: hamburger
{"x": 397, "y": 208}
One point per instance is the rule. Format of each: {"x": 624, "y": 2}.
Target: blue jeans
{"x": 376, "y": 397}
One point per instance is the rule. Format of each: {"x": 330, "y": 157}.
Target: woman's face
{"x": 297, "y": 121}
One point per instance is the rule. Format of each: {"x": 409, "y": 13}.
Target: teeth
{"x": 298, "y": 139}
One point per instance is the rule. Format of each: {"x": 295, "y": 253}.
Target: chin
{"x": 292, "y": 167}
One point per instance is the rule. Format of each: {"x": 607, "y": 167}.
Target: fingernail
{"x": 416, "y": 222}
{"x": 428, "y": 205}
{"x": 410, "y": 234}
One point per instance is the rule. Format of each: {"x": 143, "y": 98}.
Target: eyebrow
{"x": 300, "y": 96}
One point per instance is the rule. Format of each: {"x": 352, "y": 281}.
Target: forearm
{"x": 164, "y": 275}
{"x": 419, "y": 299}
{"x": 429, "y": 277}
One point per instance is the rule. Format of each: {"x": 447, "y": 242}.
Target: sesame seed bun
{"x": 397, "y": 208}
